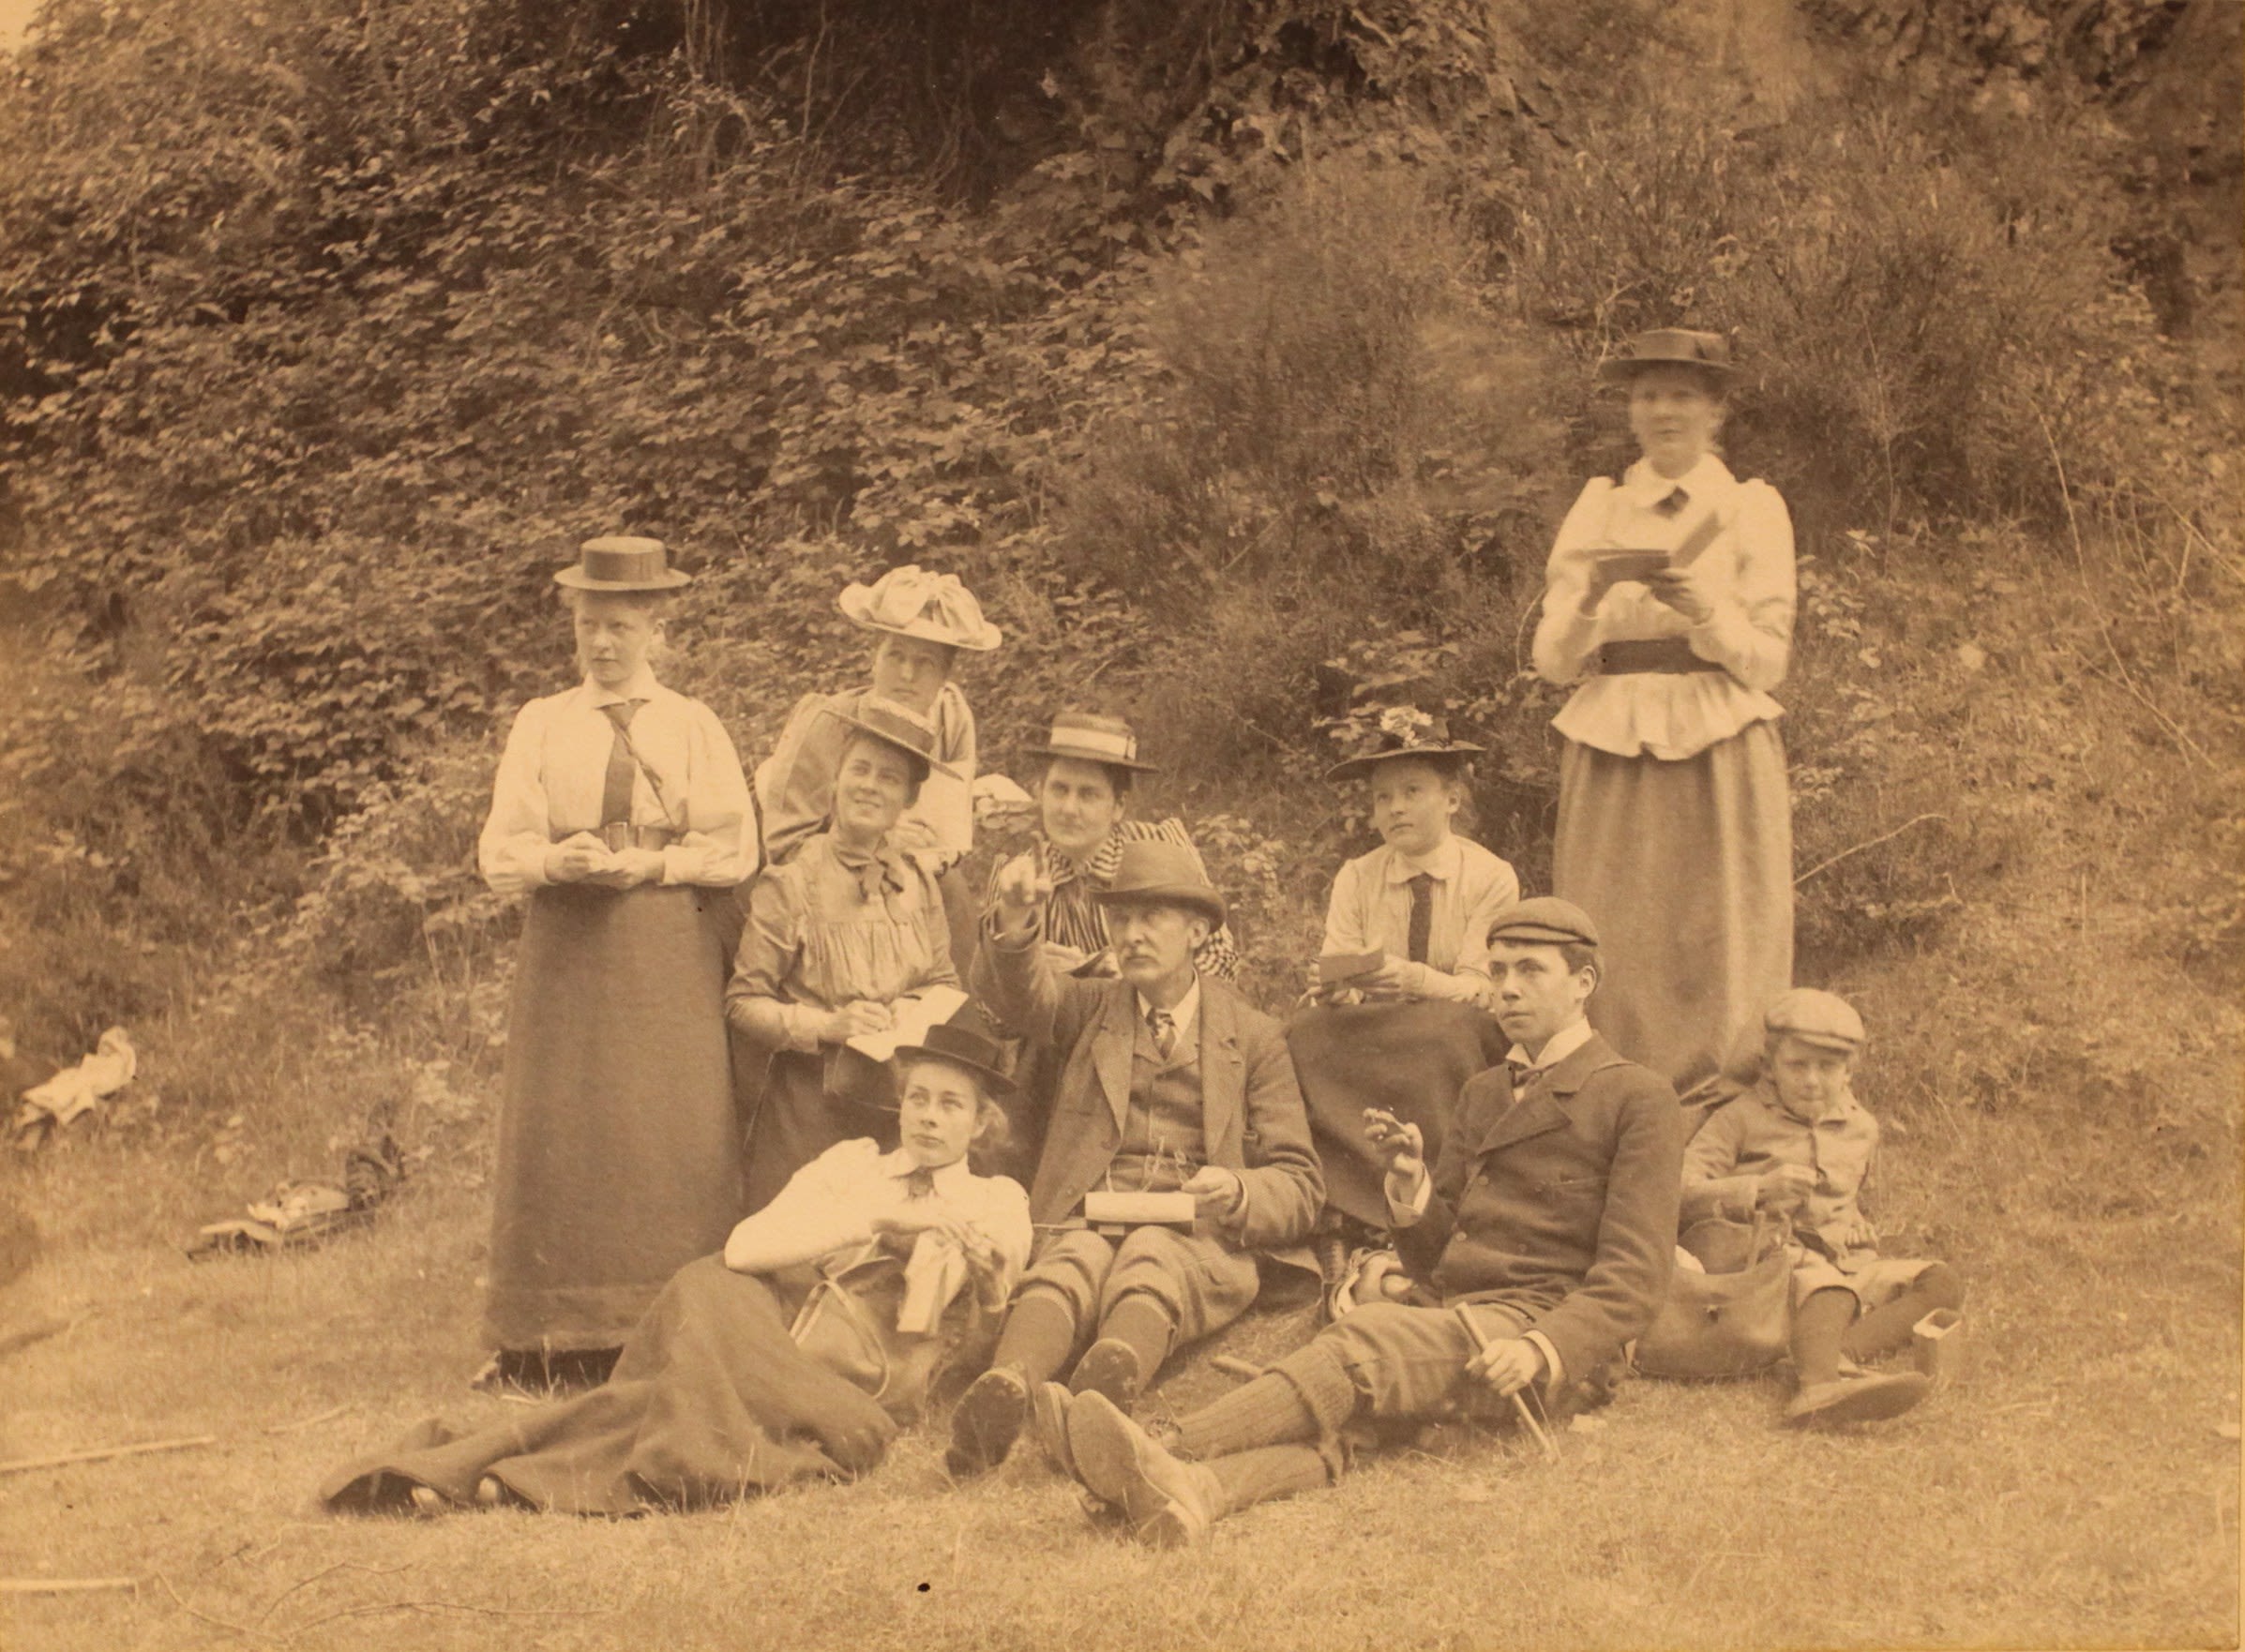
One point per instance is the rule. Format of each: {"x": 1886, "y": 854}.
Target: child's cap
{"x": 1545, "y": 921}
{"x": 1824, "y": 1019}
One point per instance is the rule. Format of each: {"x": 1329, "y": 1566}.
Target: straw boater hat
{"x": 618, "y": 562}
{"x": 1403, "y": 732}
{"x": 912, "y": 602}
{"x": 1669, "y": 347}
{"x": 1089, "y": 738}
{"x": 1157, "y": 873}
{"x": 895, "y": 725}
{"x": 959, "y": 1046}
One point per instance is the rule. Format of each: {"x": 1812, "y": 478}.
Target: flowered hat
{"x": 912, "y": 602}
{"x": 1402, "y": 731}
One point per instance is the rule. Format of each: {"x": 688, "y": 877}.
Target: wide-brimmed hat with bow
{"x": 912, "y": 602}
{"x": 1669, "y": 347}
{"x": 1090, "y": 738}
{"x": 1402, "y": 731}
{"x": 1157, "y": 874}
{"x": 621, "y": 562}
{"x": 959, "y": 1046}
{"x": 894, "y": 724}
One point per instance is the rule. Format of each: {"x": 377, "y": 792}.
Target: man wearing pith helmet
{"x": 1538, "y": 1244}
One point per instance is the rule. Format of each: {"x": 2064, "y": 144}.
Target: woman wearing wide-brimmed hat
{"x": 835, "y": 936}
{"x": 1669, "y": 597}
{"x": 1090, "y": 765}
{"x": 619, "y": 809}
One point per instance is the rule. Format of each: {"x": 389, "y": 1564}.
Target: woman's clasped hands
{"x": 582, "y": 858}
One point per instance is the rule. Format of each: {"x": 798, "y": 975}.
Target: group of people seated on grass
{"x": 779, "y": 1073}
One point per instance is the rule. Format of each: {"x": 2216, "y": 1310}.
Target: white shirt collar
{"x": 1185, "y": 1011}
{"x": 1707, "y": 480}
{"x": 1440, "y": 862}
{"x": 1564, "y": 1043}
{"x": 949, "y": 1181}
{"x": 642, "y": 686}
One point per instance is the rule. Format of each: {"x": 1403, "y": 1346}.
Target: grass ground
{"x": 2078, "y": 1486}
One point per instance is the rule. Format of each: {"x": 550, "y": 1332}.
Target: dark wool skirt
{"x": 1687, "y": 869}
{"x": 1410, "y": 1059}
{"x": 619, "y": 1143}
{"x": 811, "y": 1101}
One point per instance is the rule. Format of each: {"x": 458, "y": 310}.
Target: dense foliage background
{"x": 1235, "y": 351}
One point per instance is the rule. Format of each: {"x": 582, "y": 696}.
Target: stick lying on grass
{"x": 97, "y": 1454}
{"x": 64, "y": 1585}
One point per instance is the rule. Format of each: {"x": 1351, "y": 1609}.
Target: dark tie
{"x": 1521, "y": 1073}
{"x": 919, "y": 1183}
{"x": 1672, "y": 506}
{"x": 1164, "y": 1029}
{"x": 615, "y": 787}
{"x": 1422, "y": 927}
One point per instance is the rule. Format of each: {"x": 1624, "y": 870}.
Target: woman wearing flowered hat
{"x": 1402, "y": 989}
{"x": 834, "y": 938}
{"x": 1669, "y": 597}
{"x": 618, "y": 807}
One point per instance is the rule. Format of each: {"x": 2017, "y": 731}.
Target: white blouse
{"x": 1747, "y": 571}
{"x": 1370, "y": 911}
{"x": 555, "y": 767}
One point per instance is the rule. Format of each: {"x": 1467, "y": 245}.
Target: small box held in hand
{"x": 1339, "y": 969}
{"x": 1108, "y": 1208}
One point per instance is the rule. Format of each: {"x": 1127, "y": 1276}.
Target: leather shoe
{"x": 987, "y": 1421}
{"x": 1110, "y": 1366}
{"x": 1856, "y": 1399}
{"x": 1168, "y": 1503}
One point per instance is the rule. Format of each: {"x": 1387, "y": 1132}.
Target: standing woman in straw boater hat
{"x": 834, "y": 938}
{"x": 1669, "y": 597}
{"x": 620, "y": 810}
{"x": 920, "y": 622}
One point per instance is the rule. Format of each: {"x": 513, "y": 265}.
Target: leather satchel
{"x": 848, "y": 1324}
{"x": 1718, "y": 1325}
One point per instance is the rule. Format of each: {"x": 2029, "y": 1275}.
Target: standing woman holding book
{"x": 621, "y": 811}
{"x": 1669, "y": 599}
{"x": 852, "y": 923}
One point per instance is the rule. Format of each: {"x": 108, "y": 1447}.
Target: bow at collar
{"x": 875, "y": 871}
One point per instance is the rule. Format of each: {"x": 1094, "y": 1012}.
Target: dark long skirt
{"x": 711, "y": 1401}
{"x": 811, "y": 1101}
{"x": 1411, "y": 1058}
{"x": 619, "y": 1143}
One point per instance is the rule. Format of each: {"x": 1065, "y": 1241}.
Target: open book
{"x": 911, "y": 1017}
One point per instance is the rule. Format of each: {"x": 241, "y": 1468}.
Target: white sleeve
{"x": 511, "y": 850}
{"x": 1566, "y": 637}
{"x": 1750, "y": 632}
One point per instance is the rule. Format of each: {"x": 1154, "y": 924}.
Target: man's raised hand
{"x": 1022, "y": 891}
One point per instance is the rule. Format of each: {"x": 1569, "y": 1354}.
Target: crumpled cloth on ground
{"x": 75, "y": 1091}
{"x": 298, "y": 1215}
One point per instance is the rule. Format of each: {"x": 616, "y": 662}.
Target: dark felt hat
{"x": 1089, "y": 738}
{"x": 1155, "y": 873}
{"x": 959, "y": 1046}
{"x": 895, "y": 725}
{"x": 1669, "y": 347}
{"x": 1403, "y": 732}
{"x": 620, "y": 562}
{"x": 1545, "y": 921}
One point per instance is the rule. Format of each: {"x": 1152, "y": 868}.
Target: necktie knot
{"x": 1164, "y": 1026}
{"x": 1672, "y": 505}
{"x": 1521, "y": 1073}
{"x": 621, "y": 712}
{"x": 919, "y": 1183}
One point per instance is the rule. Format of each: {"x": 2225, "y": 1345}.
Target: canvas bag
{"x": 1715, "y": 1324}
{"x": 848, "y": 1324}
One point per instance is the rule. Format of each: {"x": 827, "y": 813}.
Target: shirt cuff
{"x": 1558, "y": 1372}
{"x": 1406, "y": 1213}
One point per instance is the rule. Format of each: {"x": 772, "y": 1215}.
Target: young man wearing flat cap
{"x": 1171, "y": 1083}
{"x": 1541, "y": 1243}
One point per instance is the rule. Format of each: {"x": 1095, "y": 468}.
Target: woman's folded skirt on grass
{"x": 1686, "y": 866}
{"x": 710, "y": 1400}
{"x": 619, "y": 1140}
{"x": 1411, "y": 1058}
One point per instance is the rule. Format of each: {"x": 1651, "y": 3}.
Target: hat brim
{"x": 997, "y": 1082}
{"x": 1355, "y": 767}
{"x": 1539, "y": 935}
{"x": 852, "y": 604}
{"x": 1619, "y": 370}
{"x": 1836, "y": 1043}
{"x": 577, "y": 579}
{"x": 1209, "y": 904}
{"x": 934, "y": 765}
{"x": 1081, "y": 754}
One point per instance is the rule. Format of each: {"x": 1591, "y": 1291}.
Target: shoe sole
{"x": 1871, "y": 1401}
{"x": 985, "y": 1427}
{"x": 1108, "y": 1369}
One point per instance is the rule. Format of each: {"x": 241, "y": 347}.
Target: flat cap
{"x": 1824, "y": 1019}
{"x": 1545, "y": 921}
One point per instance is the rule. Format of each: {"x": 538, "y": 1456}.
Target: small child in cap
{"x": 1799, "y": 1146}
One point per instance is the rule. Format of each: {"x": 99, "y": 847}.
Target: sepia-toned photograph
{"x": 990, "y": 825}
